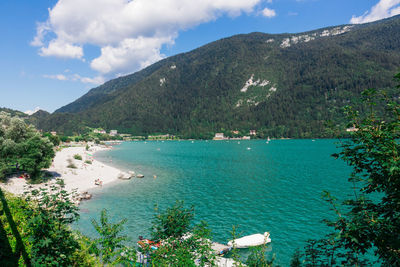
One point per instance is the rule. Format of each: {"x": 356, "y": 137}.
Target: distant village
{"x": 218, "y": 136}
{"x": 221, "y": 136}
{"x": 103, "y": 135}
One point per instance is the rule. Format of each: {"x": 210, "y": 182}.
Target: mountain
{"x": 38, "y": 117}
{"x": 13, "y": 112}
{"x": 282, "y": 85}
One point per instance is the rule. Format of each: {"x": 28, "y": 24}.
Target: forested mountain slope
{"x": 286, "y": 85}
{"x": 13, "y": 112}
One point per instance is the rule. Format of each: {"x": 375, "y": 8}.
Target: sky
{"x": 54, "y": 51}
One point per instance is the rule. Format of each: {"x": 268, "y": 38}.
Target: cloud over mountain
{"x": 383, "y": 9}
{"x": 129, "y": 34}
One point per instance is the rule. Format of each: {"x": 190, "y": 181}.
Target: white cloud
{"x": 41, "y": 30}
{"x": 129, "y": 33}
{"x": 61, "y": 49}
{"x": 383, "y": 9}
{"x": 269, "y": 13}
{"x": 76, "y": 77}
{"x": 130, "y": 53}
{"x": 30, "y": 112}
{"x": 59, "y": 77}
{"x": 95, "y": 80}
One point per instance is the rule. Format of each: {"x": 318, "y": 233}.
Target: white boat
{"x": 251, "y": 240}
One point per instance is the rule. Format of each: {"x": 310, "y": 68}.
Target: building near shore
{"x": 113, "y": 132}
{"x": 352, "y": 129}
{"x": 100, "y": 131}
{"x": 161, "y": 137}
{"x": 219, "y": 136}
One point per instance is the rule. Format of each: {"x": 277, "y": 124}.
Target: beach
{"x": 82, "y": 178}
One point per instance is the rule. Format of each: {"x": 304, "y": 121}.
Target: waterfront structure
{"x": 219, "y": 136}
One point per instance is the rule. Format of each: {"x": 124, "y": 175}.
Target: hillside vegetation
{"x": 286, "y": 85}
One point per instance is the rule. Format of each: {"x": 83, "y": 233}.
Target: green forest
{"x": 295, "y": 91}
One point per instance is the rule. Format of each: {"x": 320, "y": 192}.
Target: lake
{"x": 255, "y": 185}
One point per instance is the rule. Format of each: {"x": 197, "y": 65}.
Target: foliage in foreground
{"x": 49, "y": 219}
{"x": 373, "y": 151}
{"x": 182, "y": 243}
{"x": 109, "y": 246}
{"x": 14, "y": 232}
{"x": 371, "y": 221}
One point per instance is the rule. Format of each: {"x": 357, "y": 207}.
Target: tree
{"x": 371, "y": 220}
{"x": 22, "y": 147}
{"x": 181, "y": 243}
{"x": 174, "y": 222}
{"x": 110, "y": 244}
{"x": 50, "y": 214}
{"x": 374, "y": 153}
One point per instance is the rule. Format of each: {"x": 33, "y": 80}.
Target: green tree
{"x": 373, "y": 220}
{"x": 174, "y": 222}
{"x": 109, "y": 246}
{"x": 51, "y": 213}
{"x": 296, "y": 259}
{"x": 181, "y": 243}
{"x": 234, "y": 252}
{"x": 22, "y": 147}
{"x": 257, "y": 257}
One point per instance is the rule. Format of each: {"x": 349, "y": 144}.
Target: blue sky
{"x": 53, "y": 52}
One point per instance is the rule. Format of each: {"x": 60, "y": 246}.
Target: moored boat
{"x": 251, "y": 240}
{"x": 145, "y": 243}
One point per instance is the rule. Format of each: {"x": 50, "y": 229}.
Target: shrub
{"x": 71, "y": 164}
{"x": 110, "y": 245}
{"x": 77, "y": 157}
{"x": 51, "y": 213}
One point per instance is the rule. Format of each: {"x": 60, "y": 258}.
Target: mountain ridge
{"x": 282, "y": 84}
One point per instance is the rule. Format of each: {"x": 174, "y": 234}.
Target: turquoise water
{"x": 259, "y": 187}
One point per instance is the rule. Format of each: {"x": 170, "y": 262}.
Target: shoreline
{"x": 82, "y": 178}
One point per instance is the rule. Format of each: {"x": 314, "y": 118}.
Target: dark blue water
{"x": 259, "y": 187}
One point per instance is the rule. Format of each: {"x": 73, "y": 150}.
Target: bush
{"x": 173, "y": 222}
{"x": 22, "y": 145}
{"x": 77, "y": 157}
{"x": 51, "y": 213}
{"x": 109, "y": 246}
{"x": 171, "y": 226}
{"x": 88, "y": 161}
{"x": 14, "y": 243}
{"x": 71, "y": 164}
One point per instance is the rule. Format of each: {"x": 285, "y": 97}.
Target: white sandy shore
{"x": 82, "y": 178}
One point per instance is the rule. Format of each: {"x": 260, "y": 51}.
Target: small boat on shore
{"x": 220, "y": 249}
{"x": 83, "y": 196}
{"x": 139, "y": 175}
{"x": 251, "y": 241}
{"x": 147, "y": 243}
